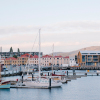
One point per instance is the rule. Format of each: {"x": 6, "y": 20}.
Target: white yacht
{"x": 42, "y": 82}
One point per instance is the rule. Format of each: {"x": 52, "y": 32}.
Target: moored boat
{"x": 3, "y": 84}
{"x": 42, "y": 82}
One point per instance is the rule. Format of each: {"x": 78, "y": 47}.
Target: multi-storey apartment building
{"x": 87, "y": 58}
{"x": 56, "y": 60}
{"x": 22, "y": 60}
{"x": 10, "y": 61}
{"x": 33, "y": 60}
{"x": 46, "y": 60}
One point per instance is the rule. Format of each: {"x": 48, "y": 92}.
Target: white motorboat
{"x": 43, "y": 83}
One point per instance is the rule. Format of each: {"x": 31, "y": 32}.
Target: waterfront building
{"x": 22, "y": 60}
{"x": 48, "y": 60}
{"x": 10, "y": 61}
{"x": 33, "y": 60}
{"x": 72, "y": 61}
{"x": 58, "y": 60}
{"x": 88, "y": 58}
{"x": 66, "y": 60}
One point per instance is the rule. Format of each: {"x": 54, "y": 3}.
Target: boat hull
{"x": 5, "y": 86}
{"x": 53, "y": 85}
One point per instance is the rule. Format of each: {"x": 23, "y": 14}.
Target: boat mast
{"x": 52, "y": 58}
{"x": 39, "y": 52}
{"x": 0, "y": 67}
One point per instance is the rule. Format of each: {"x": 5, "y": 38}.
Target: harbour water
{"x": 85, "y": 88}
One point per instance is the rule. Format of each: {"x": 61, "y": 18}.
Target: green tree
{"x": 15, "y": 56}
{"x": 11, "y": 50}
{"x": 18, "y": 50}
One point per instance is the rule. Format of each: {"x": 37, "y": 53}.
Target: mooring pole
{"x": 67, "y": 73}
{"x": 54, "y": 72}
{"x": 32, "y": 76}
{"x": 49, "y": 83}
{"x": 48, "y": 73}
{"x": 22, "y": 77}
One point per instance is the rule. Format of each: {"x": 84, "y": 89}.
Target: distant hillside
{"x": 72, "y": 53}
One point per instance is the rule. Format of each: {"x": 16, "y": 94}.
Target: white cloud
{"x": 66, "y": 36}
{"x": 69, "y": 26}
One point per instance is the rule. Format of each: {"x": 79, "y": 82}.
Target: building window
{"x": 92, "y": 53}
{"x": 83, "y": 58}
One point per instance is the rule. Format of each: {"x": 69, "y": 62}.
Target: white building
{"x": 72, "y": 61}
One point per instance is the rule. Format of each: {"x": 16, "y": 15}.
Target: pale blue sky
{"x": 44, "y": 12}
{"x": 73, "y": 23}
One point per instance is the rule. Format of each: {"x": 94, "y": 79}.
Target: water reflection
{"x": 4, "y": 90}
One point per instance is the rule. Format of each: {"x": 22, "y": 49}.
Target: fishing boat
{"x": 3, "y": 84}
{"x": 42, "y": 82}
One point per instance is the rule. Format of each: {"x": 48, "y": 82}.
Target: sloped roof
{"x": 66, "y": 57}
{"x": 26, "y": 55}
{"x": 23, "y": 57}
{"x": 57, "y": 56}
{"x": 35, "y": 56}
{"x": 46, "y": 56}
{"x": 11, "y": 58}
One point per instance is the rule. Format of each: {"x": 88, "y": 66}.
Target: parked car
{"x": 4, "y": 69}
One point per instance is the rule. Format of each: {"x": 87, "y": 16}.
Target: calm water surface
{"x": 85, "y": 88}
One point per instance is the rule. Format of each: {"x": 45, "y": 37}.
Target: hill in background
{"x": 73, "y": 53}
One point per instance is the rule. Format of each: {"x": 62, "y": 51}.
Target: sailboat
{"x": 42, "y": 82}
{"x": 3, "y": 84}
{"x": 62, "y": 81}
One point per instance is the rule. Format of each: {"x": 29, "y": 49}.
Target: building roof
{"x": 90, "y": 52}
{"x": 26, "y": 55}
{"x": 57, "y": 56}
{"x": 11, "y": 58}
{"x": 23, "y": 57}
{"x": 46, "y": 56}
{"x": 66, "y": 57}
{"x": 35, "y": 56}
